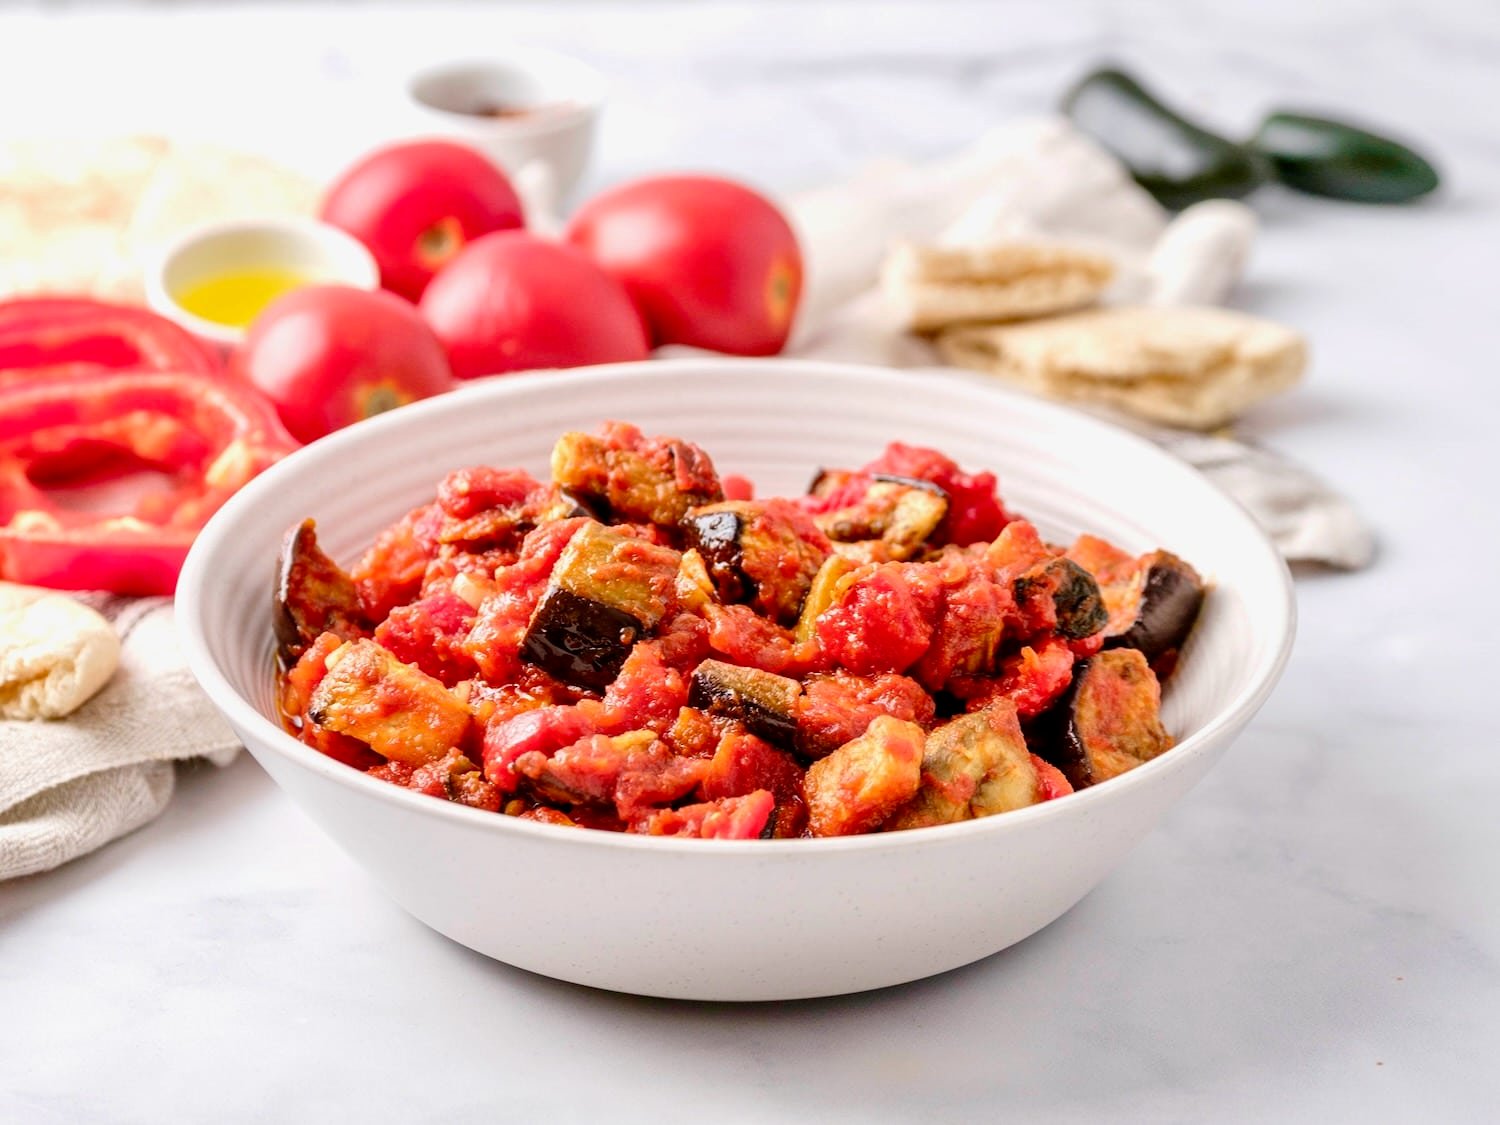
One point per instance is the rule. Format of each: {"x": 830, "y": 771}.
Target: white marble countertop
{"x": 1313, "y": 935}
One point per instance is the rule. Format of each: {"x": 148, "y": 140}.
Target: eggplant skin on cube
{"x": 717, "y": 533}
{"x": 1075, "y": 596}
{"x": 765, "y": 703}
{"x": 902, "y": 512}
{"x": 1109, "y": 721}
{"x": 1168, "y": 594}
{"x": 399, "y": 711}
{"x": 606, "y": 592}
{"x": 631, "y": 478}
{"x": 312, "y": 595}
{"x": 975, "y": 765}
{"x": 756, "y": 555}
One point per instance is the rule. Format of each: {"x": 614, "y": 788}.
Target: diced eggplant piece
{"x": 397, "y": 710}
{"x": 487, "y": 529}
{"x": 485, "y": 507}
{"x": 715, "y": 533}
{"x": 313, "y": 595}
{"x": 757, "y": 554}
{"x": 578, "y": 640}
{"x": 825, "y": 482}
{"x": 862, "y": 783}
{"x": 507, "y": 525}
{"x": 975, "y": 765}
{"x": 570, "y": 505}
{"x": 764, "y": 702}
{"x": 1075, "y": 596}
{"x": 1166, "y": 595}
{"x": 1012, "y": 781}
{"x": 1108, "y": 722}
{"x": 823, "y": 595}
{"x": 921, "y": 507}
{"x": 606, "y": 592}
{"x": 901, "y": 512}
{"x": 695, "y": 587}
{"x": 633, "y": 478}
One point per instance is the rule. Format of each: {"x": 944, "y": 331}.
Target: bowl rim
{"x": 267, "y": 733}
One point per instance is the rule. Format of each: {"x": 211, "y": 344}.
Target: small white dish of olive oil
{"x": 216, "y": 279}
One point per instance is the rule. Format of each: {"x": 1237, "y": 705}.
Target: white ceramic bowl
{"x": 567, "y": 95}
{"x": 317, "y": 251}
{"x": 742, "y": 920}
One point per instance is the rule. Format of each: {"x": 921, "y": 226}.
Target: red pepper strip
{"x": 71, "y": 335}
{"x": 208, "y": 437}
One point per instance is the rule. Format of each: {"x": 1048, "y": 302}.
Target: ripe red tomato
{"x": 416, "y": 205}
{"x": 511, "y": 302}
{"x": 329, "y": 355}
{"x": 709, "y": 262}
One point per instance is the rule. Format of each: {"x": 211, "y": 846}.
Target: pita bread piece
{"x": 55, "y": 653}
{"x": 933, "y": 287}
{"x": 1195, "y": 367}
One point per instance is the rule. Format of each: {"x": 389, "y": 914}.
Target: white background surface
{"x": 1313, "y": 935}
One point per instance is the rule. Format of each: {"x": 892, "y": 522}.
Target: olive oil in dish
{"x": 235, "y": 299}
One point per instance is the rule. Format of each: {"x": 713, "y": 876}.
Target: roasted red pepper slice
{"x": 204, "y": 437}
{"x": 44, "y": 337}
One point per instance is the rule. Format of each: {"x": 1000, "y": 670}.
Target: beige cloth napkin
{"x": 69, "y": 786}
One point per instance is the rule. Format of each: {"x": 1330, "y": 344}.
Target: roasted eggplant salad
{"x": 640, "y": 645}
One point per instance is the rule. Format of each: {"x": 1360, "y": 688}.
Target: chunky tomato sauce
{"x": 637, "y": 646}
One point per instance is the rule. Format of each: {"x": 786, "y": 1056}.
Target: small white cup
{"x": 556, "y": 102}
{"x": 321, "y": 253}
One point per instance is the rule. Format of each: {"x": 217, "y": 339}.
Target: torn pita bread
{"x": 85, "y": 216}
{"x": 929, "y": 288}
{"x": 1194, "y": 367}
{"x": 55, "y": 653}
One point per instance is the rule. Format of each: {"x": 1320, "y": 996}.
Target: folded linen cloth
{"x": 69, "y": 786}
